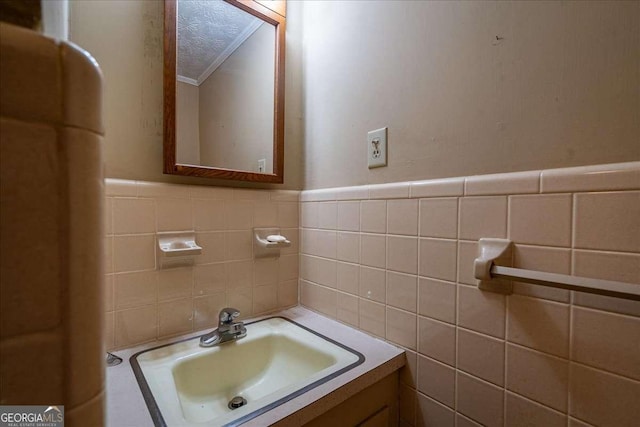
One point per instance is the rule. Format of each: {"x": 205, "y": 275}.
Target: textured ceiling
{"x": 208, "y": 32}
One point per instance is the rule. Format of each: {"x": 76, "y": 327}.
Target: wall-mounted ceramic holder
{"x": 177, "y": 249}
{"x": 493, "y": 252}
{"x": 267, "y": 242}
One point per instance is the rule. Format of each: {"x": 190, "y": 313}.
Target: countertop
{"x": 126, "y": 406}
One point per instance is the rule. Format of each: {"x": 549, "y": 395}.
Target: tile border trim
{"x": 606, "y": 177}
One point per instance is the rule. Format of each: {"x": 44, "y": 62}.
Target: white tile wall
{"x": 144, "y": 303}
{"x": 395, "y": 261}
{"x": 541, "y": 356}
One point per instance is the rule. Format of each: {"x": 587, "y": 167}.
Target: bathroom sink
{"x": 187, "y": 385}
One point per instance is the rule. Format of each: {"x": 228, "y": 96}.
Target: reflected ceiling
{"x": 208, "y": 32}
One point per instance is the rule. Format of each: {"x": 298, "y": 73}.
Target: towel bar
{"x": 492, "y": 249}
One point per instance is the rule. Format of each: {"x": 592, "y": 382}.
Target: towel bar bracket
{"x": 491, "y": 252}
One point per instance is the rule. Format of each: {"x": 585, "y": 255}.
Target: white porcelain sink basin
{"x": 186, "y": 385}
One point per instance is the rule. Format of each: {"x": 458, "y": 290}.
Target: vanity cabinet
{"x": 375, "y": 406}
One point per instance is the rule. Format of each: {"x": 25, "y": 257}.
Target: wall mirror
{"x": 224, "y": 89}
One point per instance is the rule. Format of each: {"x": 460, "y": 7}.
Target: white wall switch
{"x": 262, "y": 165}
{"x": 377, "y": 148}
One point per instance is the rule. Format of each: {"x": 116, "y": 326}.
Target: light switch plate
{"x": 377, "y": 148}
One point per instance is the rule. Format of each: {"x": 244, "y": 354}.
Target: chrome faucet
{"x": 227, "y": 329}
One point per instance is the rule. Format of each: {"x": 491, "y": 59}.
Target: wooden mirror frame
{"x": 171, "y": 167}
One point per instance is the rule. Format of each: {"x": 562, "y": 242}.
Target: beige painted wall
{"x": 236, "y": 106}
{"x": 559, "y": 88}
{"x": 126, "y": 39}
{"x": 187, "y": 128}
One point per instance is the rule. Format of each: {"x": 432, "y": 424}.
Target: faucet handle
{"x": 227, "y": 315}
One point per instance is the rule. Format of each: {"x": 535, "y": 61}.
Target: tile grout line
{"x": 417, "y": 352}
{"x": 571, "y": 306}
{"x": 505, "y": 371}
{"x": 457, "y": 305}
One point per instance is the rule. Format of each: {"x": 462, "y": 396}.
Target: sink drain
{"x": 237, "y": 402}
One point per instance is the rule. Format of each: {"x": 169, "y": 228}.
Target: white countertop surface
{"x": 126, "y": 406}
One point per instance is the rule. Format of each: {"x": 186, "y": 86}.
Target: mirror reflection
{"x": 225, "y": 87}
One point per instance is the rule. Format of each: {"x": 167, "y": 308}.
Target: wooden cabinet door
{"x": 379, "y": 419}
